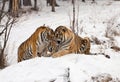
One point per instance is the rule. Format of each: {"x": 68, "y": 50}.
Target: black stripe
{"x": 30, "y": 50}
{"x": 65, "y": 44}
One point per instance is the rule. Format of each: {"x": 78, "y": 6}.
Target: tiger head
{"x": 85, "y": 46}
{"x": 46, "y": 33}
{"x": 50, "y": 49}
{"x": 63, "y": 34}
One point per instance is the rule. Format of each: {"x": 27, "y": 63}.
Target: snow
{"x": 47, "y": 69}
{"x": 94, "y": 19}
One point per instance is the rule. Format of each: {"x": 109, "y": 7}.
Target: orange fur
{"x": 85, "y": 47}
{"x": 35, "y": 44}
{"x": 50, "y": 49}
{"x": 67, "y": 40}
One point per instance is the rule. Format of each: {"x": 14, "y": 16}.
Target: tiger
{"x": 68, "y": 42}
{"x": 85, "y": 46}
{"x": 50, "y": 49}
{"x": 35, "y": 44}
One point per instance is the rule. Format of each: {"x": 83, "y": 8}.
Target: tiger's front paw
{"x": 55, "y": 55}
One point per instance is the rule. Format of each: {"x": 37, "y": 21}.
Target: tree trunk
{"x": 48, "y": 2}
{"x": 72, "y": 1}
{"x": 13, "y": 7}
{"x": 83, "y": 0}
{"x": 2, "y": 62}
{"x": 20, "y": 4}
{"x": 73, "y": 22}
{"x": 27, "y": 3}
{"x": 53, "y": 5}
{"x": 10, "y": 6}
{"x": 2, "y": 59}
{"x": 93, "y": 1}
{"x": 35, "y": 4}
{"x": 2, "y": 9}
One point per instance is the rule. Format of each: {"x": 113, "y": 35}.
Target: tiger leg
{"x": 19, "y": 58}
{"x": 20, "y": 54}
{"x": 60, "y": 53}
{"x": 34, "y": 51}
{"x": 87, "y": 51}
{"x": 85, "y": 47}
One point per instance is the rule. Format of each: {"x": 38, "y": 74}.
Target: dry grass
{"x": 96, "y": 40}
{"x": 103, "y": 78}
{"x": 113, "y": 27}
{"x": 116, "y": 48}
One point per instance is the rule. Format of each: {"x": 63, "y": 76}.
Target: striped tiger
{"x": 35, "y": 44}
{"x": 50, "y": 49}
{"x": 68, "y": 42}
{"x": 85, "y": 47}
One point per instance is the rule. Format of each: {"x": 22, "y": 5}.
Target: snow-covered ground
{"x": 94, "y": 21}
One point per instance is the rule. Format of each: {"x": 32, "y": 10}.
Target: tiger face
{"x": 35, "y": 44}
{"x": 67, "y": 41}
{"x": 50, "y": 49}
{"x": 62, "y": 34}
{"x": 85, "y": 46}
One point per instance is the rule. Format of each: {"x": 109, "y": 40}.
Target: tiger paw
{"x": 55, "y": 55}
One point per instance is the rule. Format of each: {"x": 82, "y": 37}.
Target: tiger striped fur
{"x": 85, "y": 46}
{"x": 68, "y": 42}
{"x": 35, "y": 44}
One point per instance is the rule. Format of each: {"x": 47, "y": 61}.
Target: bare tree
{"x": 53, "y": 5}
{"x": 93, "y": 1}
{"x": 2, "y": 62}
{"x": 20, "y": 4}
{"x": 49, "y": 2}
{"x": 75, "y": 16}
{"x": 72, "y": 1}
{"x": 83, "y": 0}
{"x": 1, "y": 10}
{"x": 27, "y": 3}
{"x": 35, "y": 5}
{"x": 5, "y": 32}
{"x": 14, "y": 7}
{"x": 73, "y": 22}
